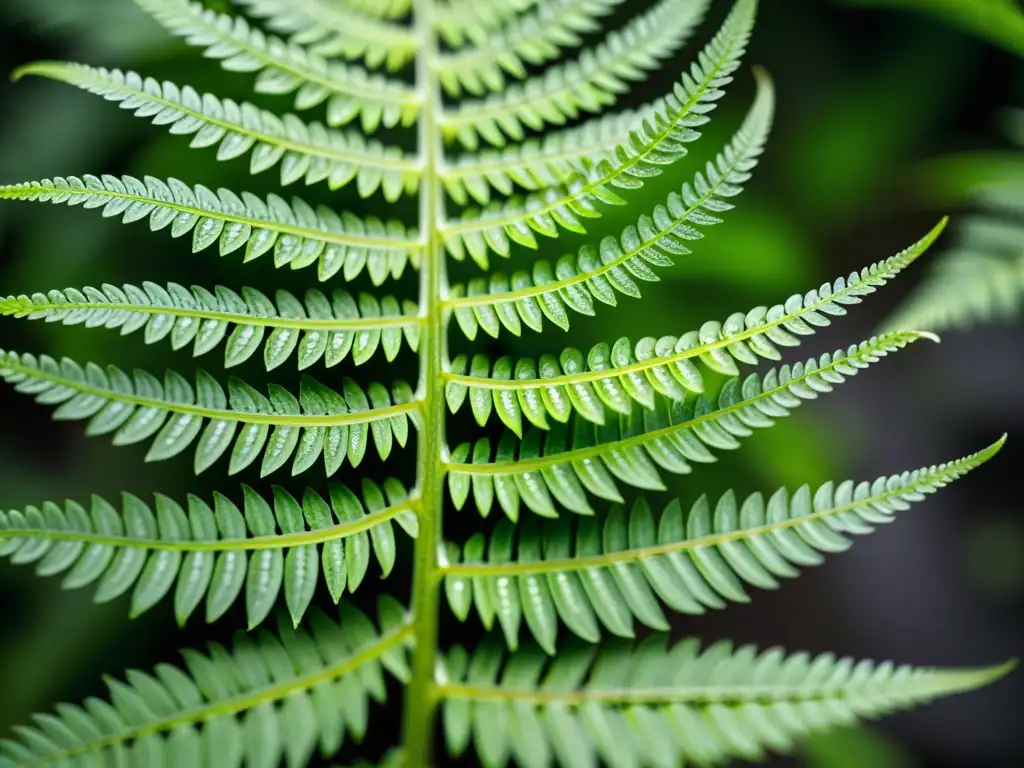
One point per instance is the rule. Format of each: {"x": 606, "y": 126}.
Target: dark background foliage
{"x": 866, "y": 98}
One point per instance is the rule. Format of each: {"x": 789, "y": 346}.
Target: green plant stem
{"x": 420, "y": 697}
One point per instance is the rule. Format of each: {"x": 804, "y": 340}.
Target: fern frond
{"x": 331, "y": 29}
{"x": 213, "y": 552}
{"x": 615, "y": 264}
{"x": 304, "y": 151}
{"x": 319, "y": 327}
{"x": 298, "y": 234}
{"x": 569, "y": 460}
{"x": 349, "y": 91}
{"x": 134, "y": 408}
{"x": 654, "y": 705}
{"x": 616, "y": 376}
{"x": 588, "y": 83}
{"x": 459, "y": 21}
{"x": 660, "y": 141}
{"x": 615, "y": 567}
{"x": 269, "y": 698}
{"x": 981, "y": 279}
{"x": 536, "y": 163}
{"x": 535, "y": 38}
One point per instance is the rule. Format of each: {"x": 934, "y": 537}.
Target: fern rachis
{"x": 581, "y": 430}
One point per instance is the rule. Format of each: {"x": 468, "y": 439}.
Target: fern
{"x": 206, "y": 549}
{"x": 662, "y": 706}
{"x": 981, "y": 278}
{"x": 581, "y": 430}
{"x": 610, "y": 569}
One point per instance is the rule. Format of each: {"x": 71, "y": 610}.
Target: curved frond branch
{"x": 642, "y": 155}
{"x": 298, "y": 234}
{"x": 562, "y": 466}
{"x": 613, "y": 570}
{"x": 622, "y": 374}
{"x": 135, "y": 408}
{"x": 298, "y": 690}
{"x": 321, "y": 327}
{"x": 304, "y": 151}
{"x": 349, "y": 92}
{"x": 462, "y": 21}
{"x": 615, "y": 264}
{"x": 532, "y": 39}
{"x": 589, "y": 83}
{"x": 214, "y": 551}
{"x": 981, "y": 278}
{"x": 658, "y": 705}
{"x": 331, "y": 29}
{"x": 536, "y": 163}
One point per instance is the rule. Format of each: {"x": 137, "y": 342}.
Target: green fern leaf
{"x": 532, "y": 39}
{"x": 215, "y": 552}
{"x": 318, "y": 328}
{"x": 349, "y": 92}
{"x": 615, "y": 568}
{"x": 334, "y": 30}
{"x": 559, "y": 465}
{"x": 616, "y": 376}
{"x": 320, "y": 422}
{"x": 981, "y": 279}
{"x": 304, "y": 151}
{"x": 654, "y": 705}
{"x": 536, "y": 163}
{"x": 573, "y": 429}
{"x": 616, "y": 264}
{"x": 298, "y": 234}
{"x": 269, "y": 698}
{"x": 587, "y": 84}
{"x": 459, "y": 21}
{"x": 658, "y": 140}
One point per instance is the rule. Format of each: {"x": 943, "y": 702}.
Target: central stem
{"x": 421, "y": 699}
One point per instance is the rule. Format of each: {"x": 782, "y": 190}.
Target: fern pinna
{"x": 514, "y": 148}
{"x": 981, "y": 279}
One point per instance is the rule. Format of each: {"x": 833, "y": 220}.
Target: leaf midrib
{"x": 247, "y": 701}
{"x": 218, "y": 414}
{"x": 275, "y": 541}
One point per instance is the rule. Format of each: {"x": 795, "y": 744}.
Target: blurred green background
{"x": 868, "y": 98}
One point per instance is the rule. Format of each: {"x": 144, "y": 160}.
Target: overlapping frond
{"x": 535, "y": 163}
{"x": 215, "y": 552}
{"x": 534, "y": 38}
{"x": 269, "y": 698}
{"x": 616, "y": 264}
{"x": 658, "y": 140}
{"x": 616, "y": 376}
{"x": 348, "y": 91}
{"x": 319, "y": 422}
{"x": 655, "y": 705}
{"x": 567, "y": 461}
{"x": 298, "y": 234}
{"x": 981, "y": 279}
{"x": 459, "y": 21}
{"x": 611, "y": 570}
{"x": 318, "y": 327}
{"x": 332, "y": 29}
{"x": 306, "y": 152}
{"x": 589, "y": 83}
